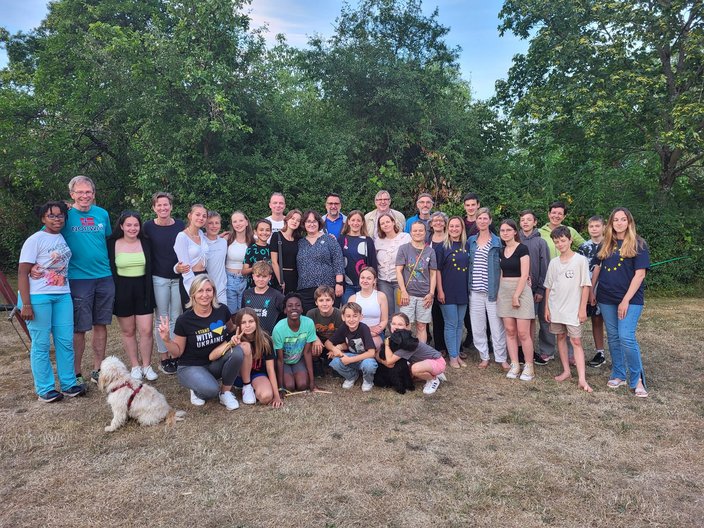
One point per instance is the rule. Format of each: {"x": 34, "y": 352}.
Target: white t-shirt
{"x": 386, "y": 251}
{"x": 52, "y": 254}
{"x": 217, "y": 251}
{"x": 565, "y": 280}
{"x": 235, "y": 255}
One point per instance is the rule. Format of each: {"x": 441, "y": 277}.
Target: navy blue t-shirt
{"x": 617, "y": 273}
{"x": 453, "y": 263}
{"x": 359, "y": 252}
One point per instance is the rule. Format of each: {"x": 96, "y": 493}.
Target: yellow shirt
{"x": 130, "y": 264}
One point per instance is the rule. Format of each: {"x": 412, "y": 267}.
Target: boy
{"x": 567, "y": 287}
{"x": 352, "y": 349}
{"x": 327, "y": 319}
{"x": 589, "y": 249}
{"x": 265, "y": 300}
{"x": 293, "y": 338}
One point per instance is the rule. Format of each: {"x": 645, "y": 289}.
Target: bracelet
{"x": 339, "y": 283}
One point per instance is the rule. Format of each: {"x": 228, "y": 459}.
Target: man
{"x": 471, "y": 205}
{"x": 382, "y": 200}
{"x": 334, "y": 219}
{"x": 277, "y": 204}
{"x": 424, "y": 204}
{"x": 92, "y": 287}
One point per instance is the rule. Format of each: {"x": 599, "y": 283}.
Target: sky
{"x": 484, "y": 58}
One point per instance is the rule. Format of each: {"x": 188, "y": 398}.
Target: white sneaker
{"x": 149, "y": 373}
{"x": 229, "y": 401}
{"x": 367, "y": 385}
{"x": 195, "y": 400}
{"x": 514, "y": 371}
{"x": 431, "y": 386}
{"x": 248, "y": 397}
{"x": 442, "y": 377}
{"x": 348, "y": 384}
{"x": 136, "y": 373}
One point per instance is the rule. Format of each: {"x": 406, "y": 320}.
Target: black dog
{"x": 398, "y": 377}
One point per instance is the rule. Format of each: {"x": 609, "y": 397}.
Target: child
{"x": 217, "y": 251}
{"x": 267, "y": 302}
{"x": 327, "y": 319}
{"x": 293, "y": 338}
{"x": 567, "y": 287}
{"x": 426, "y": 363}
{"x": 352, "y": 349}
{"x": 257, "y": 251}
{"x": 589, "y": 249}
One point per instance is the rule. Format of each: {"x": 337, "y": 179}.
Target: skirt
{"x": 504, "y": 304}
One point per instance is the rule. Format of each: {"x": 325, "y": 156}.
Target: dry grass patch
{"x": 482, "y": 451}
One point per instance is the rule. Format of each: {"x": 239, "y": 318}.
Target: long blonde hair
{"x": 632, "y": 243}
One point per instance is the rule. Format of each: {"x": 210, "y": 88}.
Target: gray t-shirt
{"x": 421, "y": 353}
{"x": 566, "y": 280}
{"x": 419, "y": 283}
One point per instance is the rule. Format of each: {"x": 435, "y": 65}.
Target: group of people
{"x": 268, "y": 306}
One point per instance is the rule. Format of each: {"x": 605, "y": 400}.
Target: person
{"x": 436, "y": 239}
{"x": 358, "y": 251}
{"x": 515, "y": 300}
{"x": 259, "y": 366}
{"x": 284, "y": 248}
{"x": 333, "y": 218}
{"x": 258, "y": 251}
{"x": 277, "y": 205}
{"x": 567, "y": 287}
{"x": 374, "y": 306}
{"x": 239, "y": 238}
{"x": 382, "y": 202}
{"x": 471, "y": 206}
{"x": 162, "y": 232}
{"x": 130, "y": 255}
{"x": 416, "y": 267}
{"x": 452, "y": 291}
{"x": 427, "y": 364}
{"x": 589, "y": 249}
{"x": 207, "y": 349}
{"x": 293, "y": 338}
{"x": 45, "y": 304}
{"x": 352, "y": 349}
{"x": 191, "y": 248}
{"x": 326, "y": 318}
{"x": 424, "y": 203}
{"x": 267, "y": 302}
{"x": 217, "y": 254}
{"x": 618, "y": 278}
{"x": 389, "y": 239}
{"x": 483, "y": 281}
{"x": 319, "y": 261}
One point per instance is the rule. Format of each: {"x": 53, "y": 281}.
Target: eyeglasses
{"x": 333, "y": 203}
{"x": 382, "y": 199}
{"x": 59, "y": 216}
{"x": 82, "y": 193}
{"x": 311, "y": 222}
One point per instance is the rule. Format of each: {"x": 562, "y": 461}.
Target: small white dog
{"x": 129, "y": 398}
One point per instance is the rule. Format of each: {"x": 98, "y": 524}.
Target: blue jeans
{"x": 350, "y": 290}
{"x": 624, "y": 349}
{"x": 168, "y": 303}
{"x": 53, "y": 315}
{"x": 367, "y": 367}
{"x": 453, "y": 314}
{"x": 236, "y": 285}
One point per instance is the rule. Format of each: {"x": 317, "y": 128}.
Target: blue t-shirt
{"x": 453, "y": 263}
{"x": 617, "y": 273}
{"x": 334, "y": 227}
{"x": 86, "y": 234}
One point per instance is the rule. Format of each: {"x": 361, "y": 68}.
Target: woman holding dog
{"x": 209, "y": 359}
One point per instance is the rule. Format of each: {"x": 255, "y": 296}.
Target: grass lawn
{"x": 482, "y": 451}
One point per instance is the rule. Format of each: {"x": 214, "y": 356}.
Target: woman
{"x": 389, "y": 239}
{"x": 453, "y": 294}
{"x": 191, "y": 250}
{"x": 620, "y": 269}
{"x": 436, "y": 239}
{"x": 319, "y": 261}
{"x": 217, "y": 254}
{"x": 375, "y": 308}
{"x": 515, "y": 300}
{"x": 284, "y": 248}
{"x": 204, "y": 350}
{"x": 46, "y": 305}
{"x": 259, "y": 368}
{"x": 129, "y": 252}
{"x": 357, "y": 249}
{"x": 239, "y": 238}
{"x": 484, "y": 272}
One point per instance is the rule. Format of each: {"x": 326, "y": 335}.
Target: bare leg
{"x": 579, "y": 359}
{"x": 301, "y": 380}
{"x": 422, "y": 370}
{"x": 562, "y": 349}
{"x": 262, "y": 390}
{"x": 128, "y": 333}
{"x": 510, "y": 328}
{"x": 422, "y": 331}
{"x": 525, "y": 336}
{"x": 79, "y": 346}
{"x": 145, "y": 328}
{"x": 290, "y": 382}
{"x": 100, "y": 341}
{"x": 246, "y": 368}
{"x": 598, "y": 331}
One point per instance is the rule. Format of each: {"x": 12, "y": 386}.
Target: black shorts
{"x": 130, "y": 297}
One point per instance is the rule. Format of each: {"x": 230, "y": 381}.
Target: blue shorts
{"x": 92, "y": 302}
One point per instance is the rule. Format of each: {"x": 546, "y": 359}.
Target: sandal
{"x": 615, "y": 383}
{"x": 640, "y": 392}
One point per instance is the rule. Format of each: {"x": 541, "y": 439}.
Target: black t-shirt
{"x": 202, "y": 334}
{"x": 357, "y": 342}
{"x": 325, "y": 326}
{"x": 267, "y": 305}
{"x": 511, "y": 266}
{"x": 163, "y": 255}
{"x": 259, "y": 366}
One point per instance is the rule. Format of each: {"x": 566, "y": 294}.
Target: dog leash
{"x": 134, "y": 392}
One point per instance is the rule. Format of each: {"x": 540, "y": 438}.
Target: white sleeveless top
{"x": 371, "y": 310}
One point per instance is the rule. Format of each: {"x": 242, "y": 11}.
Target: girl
{"x": 259, "y": 250}
{"x": 620, "y": 269}
{"x": 357, "y": 249}
{"x": 374, "y": 305}
{"x": 239, "y": 238}
{"x": 284, "y": 248}
{"x": 389, "y": 239}
{"x": 217, "y": 254}
{"x": 259, "y": 368}
{"x": 129, "y": 253}
{"x": 515, "y": 299}
{"x": 46, "y": 305}
{"x": 426, "y": 363}
{"x": 191, "y": 250}
{"x": 436, "y": 239}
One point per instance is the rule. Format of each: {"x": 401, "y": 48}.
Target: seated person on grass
{"x": 352, "y": 349}
{"x": 327, "y": 320}
{"x": 293, "y": 338}
{"x": 266, "y": 301}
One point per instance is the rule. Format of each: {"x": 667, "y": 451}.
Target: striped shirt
{"x": 480, "y": 269}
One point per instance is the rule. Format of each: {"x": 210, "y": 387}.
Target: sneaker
{"x": 136, "y": 373}
{"x": 442, "y": 377}
{"x": 94, "y": 375}
{"x": 168, "y": 366}
{"x": 431, "y": 386}
{"x": 80, "y": 380}
{"x": 51, "y": 396}
{"x": 76, "y": 390}
{"x": 528, "y": 373}
{"x": 248, "y": 397}
{"x": 615, "y": 383}
{"x": 514, "y": 371}
{"x": 367, "y": 385}
{"x": 538, "y": 360}
{"x": 597, "y": 361}
{"x": 349, "y": 383}
{"x": 195, "y": 400}
{"x": 229, "y": 401}
{"x": 148, "y": 372}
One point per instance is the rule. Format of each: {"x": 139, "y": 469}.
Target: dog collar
{"x": 134, "y": 392}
